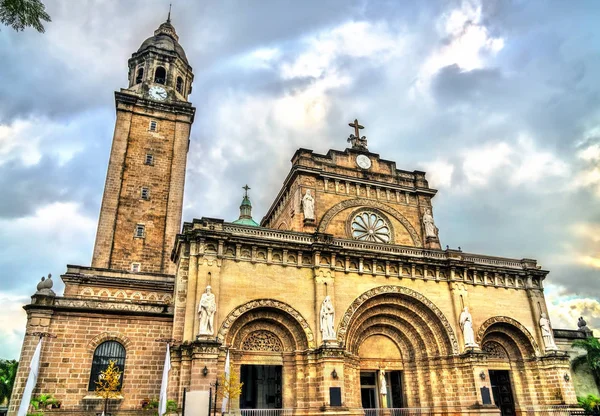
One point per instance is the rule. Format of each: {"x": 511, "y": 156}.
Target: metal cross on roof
{"x": 356, "y": 127}
{"x": 246, "y": 188}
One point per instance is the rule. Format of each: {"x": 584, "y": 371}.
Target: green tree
{"x": 8, "y": 372}
{"x": 592, "y": 357}
{"x": 20, "y": 14}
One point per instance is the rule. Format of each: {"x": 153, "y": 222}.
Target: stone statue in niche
{"x": 382, "y": 382}
{"x": 431, "y": 231}
{"x": 207, "y": 309}
{"x": 547, "y": 333}
{"x": 466, "y": 324}
{"x": 327, "y": 320}
{"x": 308, "y": 206}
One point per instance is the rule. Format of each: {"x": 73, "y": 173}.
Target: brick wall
{"x": 123, "y": 206}
{"x": 67, "y": 359}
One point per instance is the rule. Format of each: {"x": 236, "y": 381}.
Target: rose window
{"x": 368, "y": 226}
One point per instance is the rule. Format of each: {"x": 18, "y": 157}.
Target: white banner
{"x": 34, "y": 369}
{"x": 162, "y": 401}
{"x": 226, "y": 399}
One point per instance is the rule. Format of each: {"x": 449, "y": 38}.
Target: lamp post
{"x": 216, "y": 386}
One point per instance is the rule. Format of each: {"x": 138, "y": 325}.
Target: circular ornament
{"x": 371, "y": 227}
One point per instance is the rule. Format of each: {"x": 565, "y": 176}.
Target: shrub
{"x": 590, "y": 404}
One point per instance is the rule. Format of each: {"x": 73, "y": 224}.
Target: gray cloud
{"x": 541, "y": 85}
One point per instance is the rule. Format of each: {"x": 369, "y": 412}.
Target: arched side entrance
{"x": 268, "y": 342}
{"x": 511, "y": 353}
{"x": 397, "y": 335}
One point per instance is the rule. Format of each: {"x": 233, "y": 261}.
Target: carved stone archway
{"x": 516, "y": 325}
{"x": 351, "y": 203}
{"x": 439, "y": 324}
{"x": 285, "y": 310}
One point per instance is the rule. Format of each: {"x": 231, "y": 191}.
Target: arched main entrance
{"x": 398, "y": 337}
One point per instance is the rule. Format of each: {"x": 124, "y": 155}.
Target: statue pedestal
{"x": 432, "y": 242}
{"x": 207, "y": 338}
{"x": 472, "y": 349}
{"x": 330, "y": 343}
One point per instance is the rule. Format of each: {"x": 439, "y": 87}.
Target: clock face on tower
{"x": 363, "y": 161}
{"x": 157, "y": 93}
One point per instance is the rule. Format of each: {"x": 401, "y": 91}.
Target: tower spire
{"x": 169, "y": 16}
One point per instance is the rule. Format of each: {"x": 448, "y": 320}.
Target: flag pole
{"x": 34, "y": 369}
{"x": 164, "y": 385}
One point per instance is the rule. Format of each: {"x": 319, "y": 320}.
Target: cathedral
{"x": 341, "y": 301}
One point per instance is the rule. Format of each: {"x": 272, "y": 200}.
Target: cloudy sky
{"x": 498, "y": 101}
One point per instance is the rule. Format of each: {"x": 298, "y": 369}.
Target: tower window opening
{"x": 153, "y": 126}
{"x": 160, "y": 75}
{"x": 149, "y": 160}
{"x": 179, "y": 85}
{"x": 145, "y": 193}
{"x": 140, "y": 231}
{"x": 140, "y": 75}
{"x": 136, "y": 267}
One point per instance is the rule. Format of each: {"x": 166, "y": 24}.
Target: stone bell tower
{"x": 143, "y": 195}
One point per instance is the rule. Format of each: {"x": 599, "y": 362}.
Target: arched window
{"x": 179, "y": 85}
{"x": 105, "y": 353}
{"x": 140, "y": 75}
{"x": 160, "y": 75}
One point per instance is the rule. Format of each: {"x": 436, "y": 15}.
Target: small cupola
{"x": 246, "y": 210}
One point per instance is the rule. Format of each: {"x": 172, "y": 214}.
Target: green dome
{"x": 246, "y": 221}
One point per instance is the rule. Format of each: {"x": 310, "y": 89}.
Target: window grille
{"x": 145, "y": 193}
{"x": 179, "y": 85}
{"x": 140, "y": 231}
{"x": 105, "y": 353}
{"x": 149, "y": 160}
{"x": 153, "y": 126}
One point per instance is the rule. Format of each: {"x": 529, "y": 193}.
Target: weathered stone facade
{"x": 363, "y": 236}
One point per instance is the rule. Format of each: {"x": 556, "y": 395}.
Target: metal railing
{"x": 403, "y": 411}
{"x": 557, "y": 410}
{"x": 266, "y": 412}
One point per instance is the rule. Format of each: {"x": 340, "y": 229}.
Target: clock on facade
{"x": 158, "y": 93}
{"x": 363, "y": 161}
